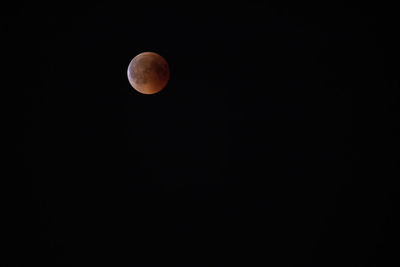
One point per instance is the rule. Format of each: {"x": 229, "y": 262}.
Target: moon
{"x": 148, "y": 73}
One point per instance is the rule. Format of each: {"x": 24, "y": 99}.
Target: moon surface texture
{"x": 148, "y": 73}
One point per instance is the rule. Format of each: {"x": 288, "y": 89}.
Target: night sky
{"x": 273, "y": 143}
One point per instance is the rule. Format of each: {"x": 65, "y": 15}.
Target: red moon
{"x": 148, "y": 73}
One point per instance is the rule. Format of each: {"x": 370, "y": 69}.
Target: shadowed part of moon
{"x": 148, "y": 73}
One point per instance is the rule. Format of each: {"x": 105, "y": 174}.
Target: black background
{"x": 271, "y": 144}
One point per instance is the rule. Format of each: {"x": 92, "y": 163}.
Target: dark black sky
{"x": 271, "y": 144}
